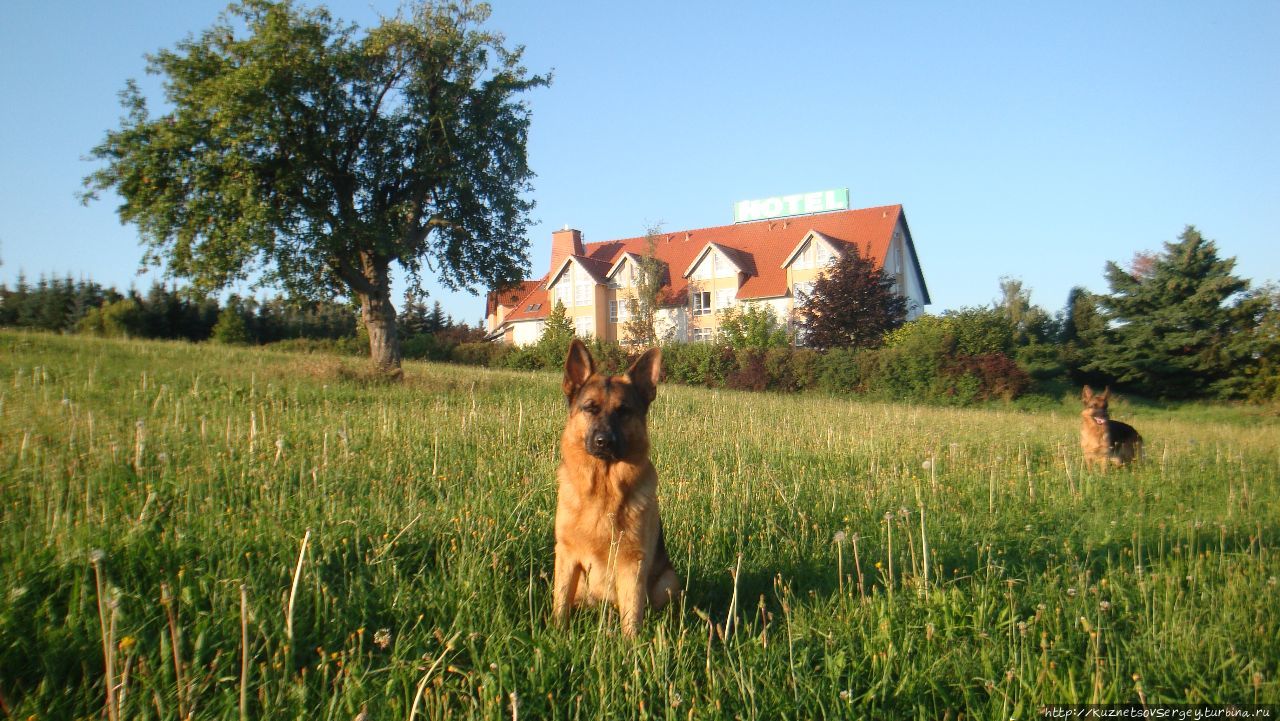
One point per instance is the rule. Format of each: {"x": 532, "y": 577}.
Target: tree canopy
{"x": 1175, "y": 321}
{"x": 852, "y": 305}
{"x": 304, "y": 153}
{"x": 754, "y": 326}
{"x": 641, "y": 326}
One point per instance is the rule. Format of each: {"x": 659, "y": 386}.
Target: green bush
{"x": 520, "y": 359}
{"x": 426, "y": 346}
{"x": 231, "y": 328}
{"x": 698, "y": 364}
{"x": 480, "y": 353}
{"x": 840, "y": 370}
{"x": 610, "y": 357}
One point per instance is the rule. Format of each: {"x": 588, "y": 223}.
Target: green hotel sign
{"x": 781, "y": 206}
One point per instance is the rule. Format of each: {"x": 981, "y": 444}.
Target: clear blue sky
{"x": 1033, "y": 140}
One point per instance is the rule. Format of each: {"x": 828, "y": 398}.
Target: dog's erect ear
{"x": 645, "y": 371}
{"x": 1087, "y": 395}
{"x": 1106, "y": 393}
{"x": 578, "y": 367}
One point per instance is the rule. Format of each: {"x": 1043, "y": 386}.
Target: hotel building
{"x": 709, "y": 270}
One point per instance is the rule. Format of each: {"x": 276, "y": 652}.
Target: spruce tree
{"x": 1172, "y": 322}
{"x": 557, "y": 335}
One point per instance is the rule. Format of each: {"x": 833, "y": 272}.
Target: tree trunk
{"x": 380, "y": 318}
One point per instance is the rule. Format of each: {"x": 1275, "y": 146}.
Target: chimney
{"x": 564, "y": 243}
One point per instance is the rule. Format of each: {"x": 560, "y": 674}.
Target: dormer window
{"x": 803, "y": 258}
{"x": 825, "y": 255}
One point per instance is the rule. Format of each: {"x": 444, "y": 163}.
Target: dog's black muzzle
{"x": 602, "y": 443}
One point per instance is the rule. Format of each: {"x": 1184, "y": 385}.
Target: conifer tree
{"x": 1172, "y": 322}
{"x": 557, "y": 335}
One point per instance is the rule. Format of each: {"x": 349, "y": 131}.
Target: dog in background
{"x": 1103, "y": 440}
{"x": 609, "y": 544}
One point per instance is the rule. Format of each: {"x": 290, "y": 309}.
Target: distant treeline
{"x": 66, "y": 305}
{"x": 1176, "y": 324}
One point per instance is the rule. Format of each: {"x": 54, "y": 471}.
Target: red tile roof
{"x": 758, "y": 247}
{"x": 508, "y": 297}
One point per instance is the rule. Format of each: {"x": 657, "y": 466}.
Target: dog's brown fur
{"x": 1103, "y": 440}
{"x": 609, "y": 543}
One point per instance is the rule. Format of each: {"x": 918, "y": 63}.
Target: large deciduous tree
{"x": 301, "y": 152}
{"x": 852, "y": 305}
{"x": 1175, "y": 322}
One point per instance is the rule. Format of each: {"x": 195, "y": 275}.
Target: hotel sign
{"x": 781, "y": 206}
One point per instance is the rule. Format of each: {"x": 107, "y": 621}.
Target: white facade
{"x": 526, "y": 332}
{"x": 898, "y": 264}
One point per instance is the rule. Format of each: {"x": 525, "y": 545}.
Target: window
{"x": 724, "y": 298}
{"x": 802, "y": 258}
{"x": 625, "y": 275}
{"x": 534, "y": 307}
{"x": 824, "y": 255}
{"x": 582, "y": 293}
{"x": 584, "y": 326}
{"x": 619, "y": 310}
{"x": 701, "y": 335}
{"x": 701, "y": 302}
{"x": 802, "y": 290}
{"x": 562, "y": 293}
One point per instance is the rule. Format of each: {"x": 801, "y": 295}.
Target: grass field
{"x": 195, "y": 531}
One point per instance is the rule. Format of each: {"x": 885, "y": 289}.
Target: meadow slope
{"x": 204, "y": 532}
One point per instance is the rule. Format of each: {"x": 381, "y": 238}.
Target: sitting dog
{"x": 1103, "y": 440}
{"x": 609, "y": 544}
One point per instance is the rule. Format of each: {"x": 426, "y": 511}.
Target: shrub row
{"x": 941, "y": 375}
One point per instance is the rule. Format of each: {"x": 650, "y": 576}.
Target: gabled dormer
{"x": 624, "y": 271}
{"x": 574, "y": 280}
{"x": 718, "y": 261}
{"x": 813, "y": 252}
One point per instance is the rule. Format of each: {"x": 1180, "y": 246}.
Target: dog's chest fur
{"x": 600, "y": 502}
{"x": 1095, "y": 438}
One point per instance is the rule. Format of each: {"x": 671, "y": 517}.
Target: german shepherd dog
{"x": 609, "y": 544}
{"x": 1102, "y": 439}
